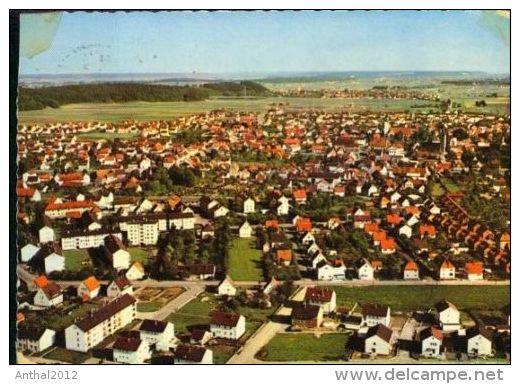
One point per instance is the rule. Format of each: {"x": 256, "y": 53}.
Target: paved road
{"x": 28, "y": 278}
{"x": 262, "y": 336}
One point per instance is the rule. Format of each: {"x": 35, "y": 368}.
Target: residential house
{"x": 119, "y": 286}
{"x": 48, "y": 294}
{"x": 445, "y": 269}
{"x": 479, "y": 341}
{"x": 430, "y": 340}
{"x": 378, "y": 340}
{"x": 245, "y": 230}
{"x": 89, "y": 288}
{"x": 131, "y": 350}
{"x": 116, "y": 252}
{"x": 135, "y": 272}
{"x": 227, "y": 325}
{"x": 373, "y": 314}
{"x": 474, "y": 271}
{"x": 34, "y": 339}
{"x": 323, "y": 297}
{"x": 192, "y": 354}
{"x": 28, "y": 251}
{"x": 364, "y": 269}
{"x": 284, "y": 256}
{"x": 226, "y": 287}
{"x": 249, "y": 206}
{"x": 158, "y": 334}
{"x": 448, "y": 315}
{"x": 46, "y": 232}
{"x": 411, "y": 271}
{"x": 307, "y": 316}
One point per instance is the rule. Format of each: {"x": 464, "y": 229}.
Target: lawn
{"x": 305, "y": 347}
{"x": 151, "y": 306}
{"x": 436, "y": 189}
{"x": 76, "y": 259}
{"x": 67, "y": 356}
{"x": 406, "y": 298}
{"x": 245, "y": 261}
{"x": 196, "y": 312}
{"x": 138, "y": 254}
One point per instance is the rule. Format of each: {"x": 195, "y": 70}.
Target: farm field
{"x": 145, "y": 111}
{"x": 403, "y": 299}
{"x": 245, "y": 260}
{"x": 305, "y": 347}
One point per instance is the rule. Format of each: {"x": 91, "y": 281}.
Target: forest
{"x": 54, "y": 97}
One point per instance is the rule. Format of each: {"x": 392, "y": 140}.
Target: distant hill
{"x": 56, "y": 96}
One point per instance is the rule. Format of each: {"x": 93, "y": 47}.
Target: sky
{"x": 264, "y": 42}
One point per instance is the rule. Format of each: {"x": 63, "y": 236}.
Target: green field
{"x": 245, "y": 260}
{"x": 406, "y": 298}
{"x": 305, "y": 347}
{"x": 196, "y": 312}
{"x": 138, "y": 254}
{"x": 76, "y": 259}
{"x": 145, "y": 111}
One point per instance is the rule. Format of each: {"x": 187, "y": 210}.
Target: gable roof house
{"x": 158, "y": 334}
{"x": 119, "y": 287}
{"x": 227, "y": 325}
{"x": 192, "y": 354}
{"x": 34, "y": 339}
{"x": 448, "y": 315}
{"x": 324, "y": 297}
{"x": 378, "y": 340}
{"x": 431, "y": 339}
{"x": 48, "y": 293}
{"x": 116, "y": 252}
{"x": 307, "y": 316}
{"x": 226, "y": 287}
{"x": 89, "y": 288}
{"x": 374, "y": 314}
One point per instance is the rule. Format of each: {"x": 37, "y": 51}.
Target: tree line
{"x": 56, "y": 96}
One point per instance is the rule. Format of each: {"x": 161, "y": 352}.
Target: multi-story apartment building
{"x": 96, "y": 326}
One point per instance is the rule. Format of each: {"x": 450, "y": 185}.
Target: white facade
{"x": 249, "y": 206}
{"x": 54, "y": 262}
{"x": 377, "y": 346}
{"x": 114, "y": 291}
{"x": 245, "y": 230}
{"x": 41, "y": 299}
{"x": 135, "y": 272}
{"x": 329, "y": 272}
{"x": 431, "y": 347}
{"x": 164, "y": 340}
{"x": 121, "y": 259}
{"x": 28, "y": 251}
{"x": 45, "y": 341}
{"x": 226, "y": 288}
{"x": 366, "y": 272}
{"x": 138, "y": 356}
{"x": 77, "y": 339}
{"x": 145, "y": 233}
{"x": 411, "y": 274}
{"x": 479, "y": 345}
{"x": 46, "y": 234}
{"x": 86, "y": 240}
{"x": 225, "y": 332}
{"x": 447, "y": 273}
{"x": 449, "y": 319}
